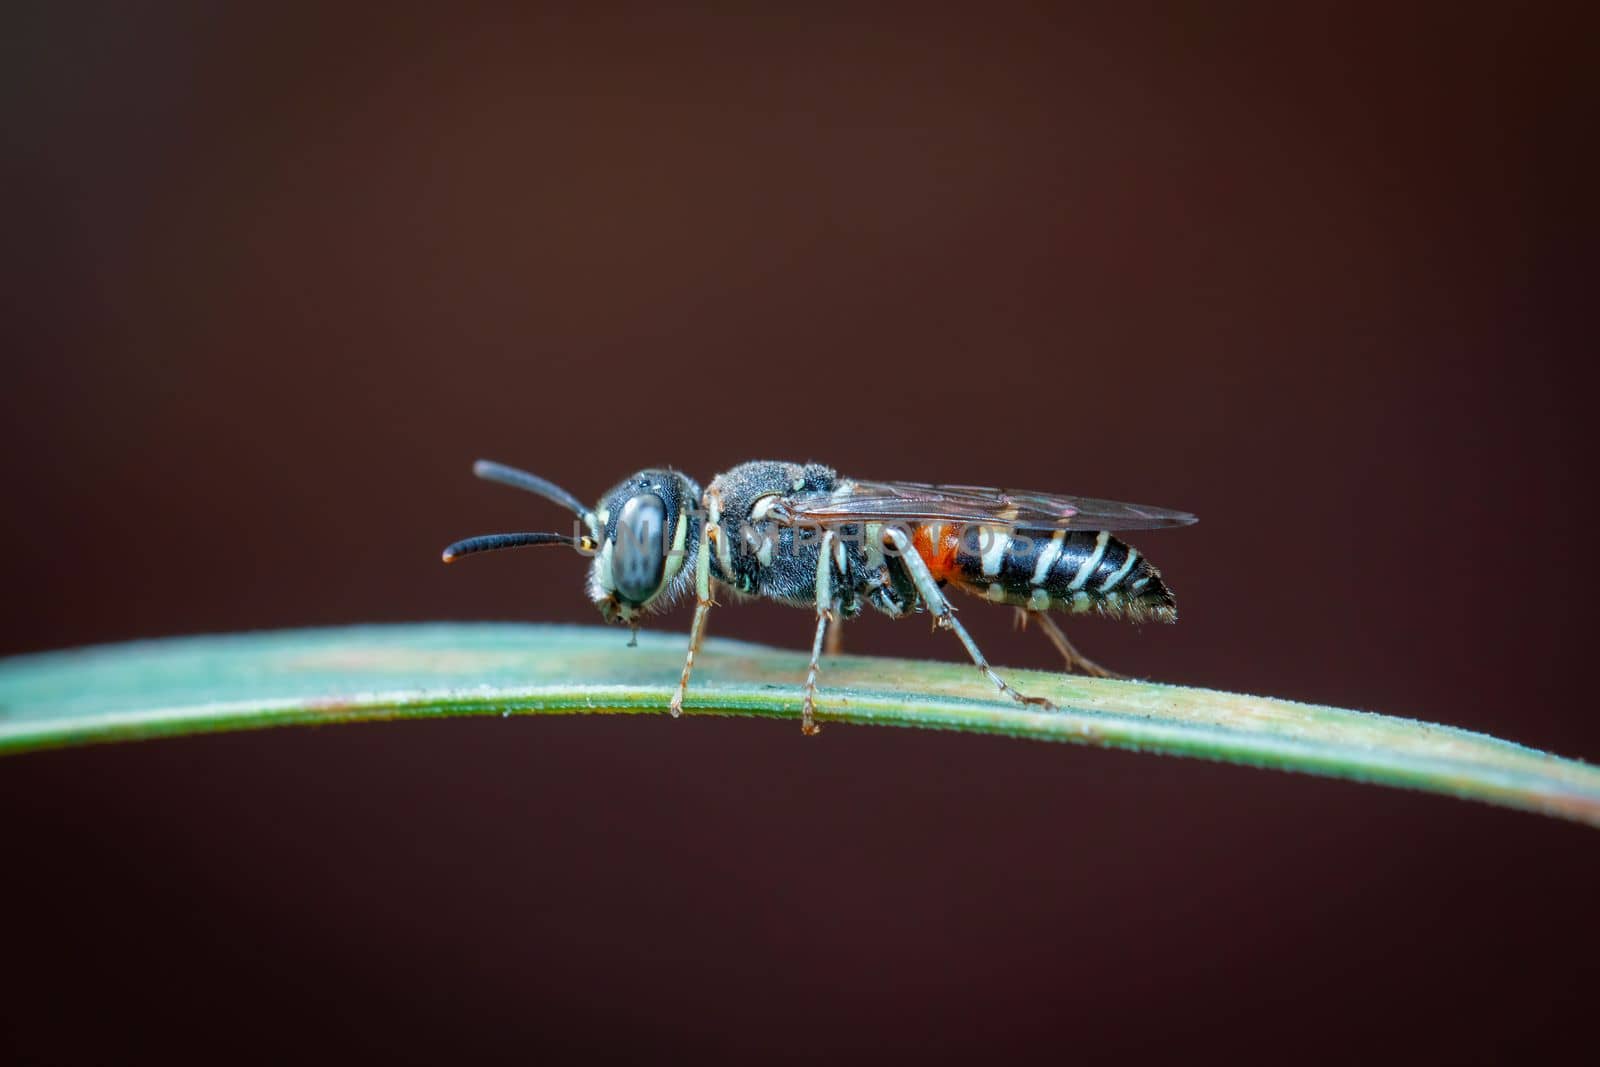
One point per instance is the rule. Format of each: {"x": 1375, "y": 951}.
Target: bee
{"x": 802, "y": 534}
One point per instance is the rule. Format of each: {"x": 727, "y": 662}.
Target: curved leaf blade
{"x": 204, "y": 684}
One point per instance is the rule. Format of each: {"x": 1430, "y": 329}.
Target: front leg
{"x": 697, "y": 632}
{"x": 944, "y": 614}
{"x": 702, "y": 594}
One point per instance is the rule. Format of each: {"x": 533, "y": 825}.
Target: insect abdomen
{"x": 1069, "y": 571}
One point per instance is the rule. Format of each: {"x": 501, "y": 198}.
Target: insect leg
{"x": 835, "y": 642}
{"x": 944, "y": 615}
{"x": 1076, "y": 661}
{"x": 702, "y": 604}
{"x": 825, "y": 611}
{"x": 697, "y": 632}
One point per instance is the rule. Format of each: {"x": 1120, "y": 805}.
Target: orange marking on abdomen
{"x": 940, "y": 556}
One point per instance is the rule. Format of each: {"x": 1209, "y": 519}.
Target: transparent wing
{"x": 916, "y": 502}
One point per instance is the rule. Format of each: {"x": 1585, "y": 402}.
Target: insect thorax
{"x": 757, "y": 556}
{"x": 753, "y": 554}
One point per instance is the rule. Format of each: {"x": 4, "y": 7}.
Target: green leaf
{"x": 201, "y": 684}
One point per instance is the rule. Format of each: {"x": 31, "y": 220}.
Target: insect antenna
{"x": 490, "y": 471}
{"x": 496, "y": 542}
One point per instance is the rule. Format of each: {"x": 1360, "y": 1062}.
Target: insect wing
{"x": 916, "y": 502}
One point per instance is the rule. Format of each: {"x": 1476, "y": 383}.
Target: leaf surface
{"x": 202, "y": 684}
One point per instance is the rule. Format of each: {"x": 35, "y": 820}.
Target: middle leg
{"x": 826, "y": 608}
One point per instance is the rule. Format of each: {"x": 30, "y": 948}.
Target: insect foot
{"x": 808, "y": 706}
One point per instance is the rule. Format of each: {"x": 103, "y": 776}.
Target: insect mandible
{"x": 802, "y": 534}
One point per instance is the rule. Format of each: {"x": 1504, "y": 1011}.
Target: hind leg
{"x": 944, "y": 616}
{"x": 1075, "y": 660}
{"x": 702, "y": 608}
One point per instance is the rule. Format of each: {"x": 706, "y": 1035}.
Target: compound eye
{"x": 640, "y": 556}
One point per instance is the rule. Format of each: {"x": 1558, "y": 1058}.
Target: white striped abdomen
{"x": 1079, "y": 570}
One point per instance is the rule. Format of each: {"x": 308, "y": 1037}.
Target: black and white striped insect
{"x": 801, "y": 534}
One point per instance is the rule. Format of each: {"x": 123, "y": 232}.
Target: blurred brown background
{"x": 277, "y": 275}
